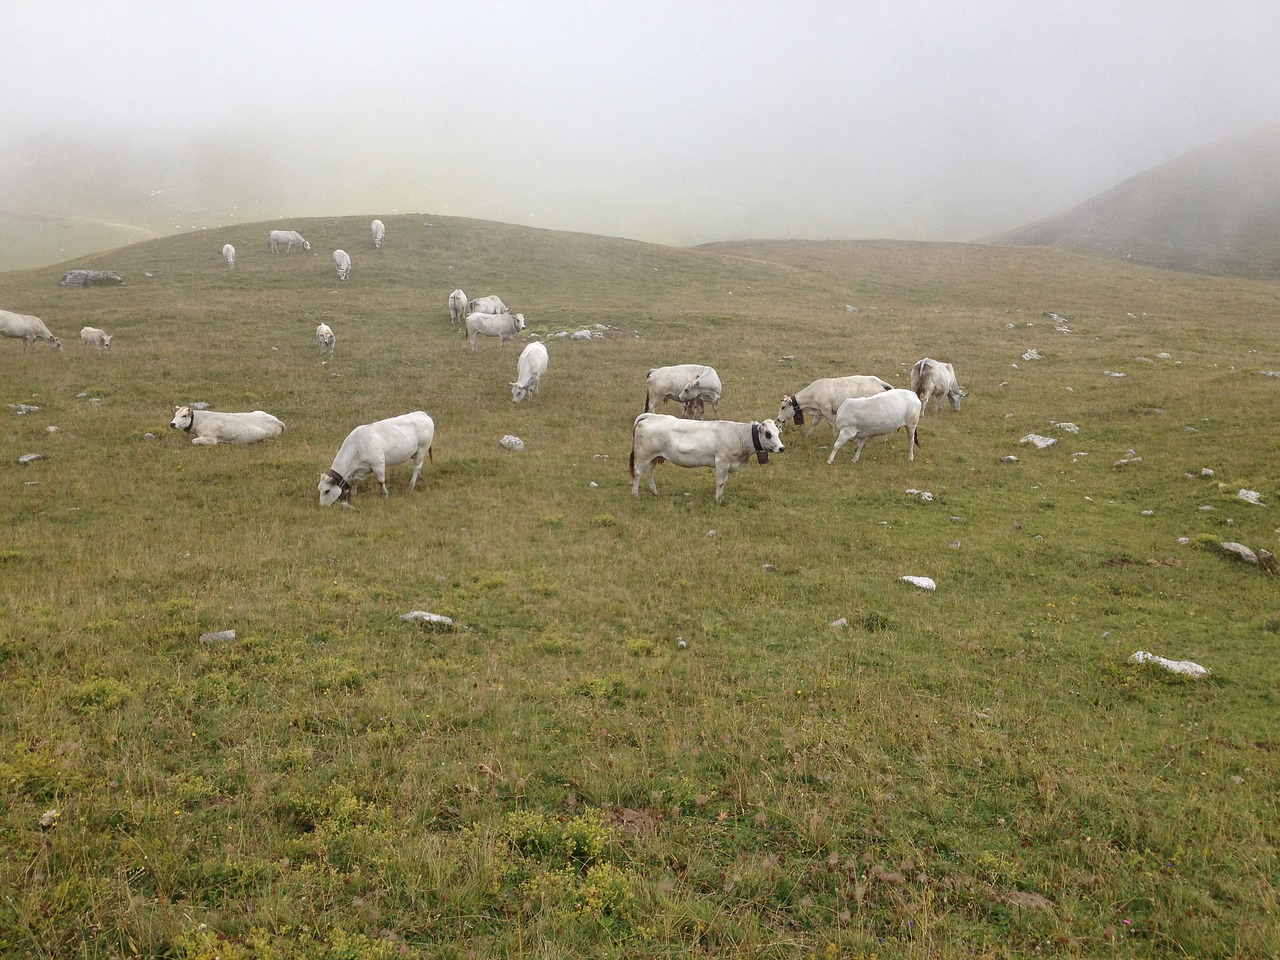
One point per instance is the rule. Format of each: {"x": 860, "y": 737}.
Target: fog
{"x": 674, "y": 122}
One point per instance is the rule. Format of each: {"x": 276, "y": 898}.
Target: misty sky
{"x": 670, "y": 121}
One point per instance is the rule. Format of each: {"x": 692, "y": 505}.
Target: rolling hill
{"x": 1212, "y": 210}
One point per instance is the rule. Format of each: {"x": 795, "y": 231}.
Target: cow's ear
{"x": 324, "y": 476}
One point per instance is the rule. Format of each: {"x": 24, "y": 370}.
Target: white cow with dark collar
{"x": 211, "y": 427}
{"x": 372, "y": 447}
{"x": 821, "y": 399}
{"x": 726, "y": 445}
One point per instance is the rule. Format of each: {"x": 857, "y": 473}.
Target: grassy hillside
{"x": 644, "y": 737}
{"x": 1213, "y": 210}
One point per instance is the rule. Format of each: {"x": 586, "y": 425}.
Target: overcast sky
{"x": 668, "y": 121}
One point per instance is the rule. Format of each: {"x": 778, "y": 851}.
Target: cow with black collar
{"x": 726, "y": 445}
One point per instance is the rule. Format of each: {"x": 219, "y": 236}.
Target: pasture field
{"x": 973, "y": 771}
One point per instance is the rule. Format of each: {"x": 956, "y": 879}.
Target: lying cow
{"x": 504, "y": 326}
{"x": 372, "y": 447}
{"x": 379, "y": 234}
{"x": 692, "y": 384}
{"x": 457, "y": 306}
{"x": 326, "y": 341}
{"x": 94, "y": 339}
{"x": 529, "y": 370}
{"x": 211, "y": 427}
{"x": 822, "y": 398}
{"x": 880, "y": 415}
{"x": 229, "y": 256}
{"x": 290, "y": 238}
{"x": 724, "y": 444}
{"x": 489, "y": 304}
{"x": 28, "y": 329}
{"x": 933, "y": 379}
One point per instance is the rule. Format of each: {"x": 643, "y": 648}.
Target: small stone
{"x": 30, "y": 458}
{"x": 52, "y": 429}
{"x": 421, "y": 616}
{"x": 839, "y": 624}
{"x": 219, "y": 637}
{"x": 49, "y": 819}
{"x": 1239, "y": 550}
{"x": 924, "y": 583}
{"x": 1148, "y": 513}
{"x": 770, "y": 568}
{"x": 681, "y": 644}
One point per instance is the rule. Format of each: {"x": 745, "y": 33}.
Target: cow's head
{"x": 56, "y": 343}
{"x": 183, "y": 418}
{"x": 106, "y": 340}
{"x": 697, "y": 388}
{"x": 790, "y": 408}
{"x": 519, "y": 321}
{"x": 306, "y": 244}
{"x": 333, "y": 488}
{"x": 519, "y": 393}
{"x": 766, "y": 437}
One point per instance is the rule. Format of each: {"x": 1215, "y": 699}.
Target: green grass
{"x": 974, "y": 771}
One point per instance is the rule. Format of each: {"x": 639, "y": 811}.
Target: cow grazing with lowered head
{"x": 490, "y": 304}
{"x": 504, "y": 326}
{"x": 726, "y": 445}
{"x": 372, "y": 447}
{"x": 94, "y": 339}
{"x": 210, "y": 427}
{"x": 821, "y": 399}
{"x": 691, "y": 384}
{"x": 326, "y": 341}
{"x": 457, "y": 306}
{"x": 933, "y": 380}
{"x": 229, "y": 256}
{"x": 28, "y": 329}
{"x": 342, "y": 263}
{"x": 880, "y": 415}
{"x": 379, "y": 234}
{"x": 529, "y": 370}
{"x": 290, "y": 239}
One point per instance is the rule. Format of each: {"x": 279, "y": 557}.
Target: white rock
{"x": 21, "y": 408}
{"x": 1125, "y": 461}
{"x": 1184, "y": 667}
{"x": 1112, "y": 373}
{"x": 1039, "y": 441}
{"x": 1251, "y": 496}
{"x": 924, "y": 583}
{"x": 421, "y": 616}
{"x": 30, "y": 458}
{"x": 512, "y": 443}
{"x": 924, "y": 495}
{"x": 1009, "y": 459}
{"x": 593, "y": 485}
{"x": 1239, "y": 550}
{"x": 1032, "y": 354}
{"x": 839, "y": 624}
{"x": 1067, "y": 427}
{"x": 217, "y": 637}
{"x": 1148, "y": 513}
{"x": 1163, "y": 356}
{"x": 52, "y": 429}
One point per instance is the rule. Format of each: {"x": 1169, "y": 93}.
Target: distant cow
{"x": 372, "y": 447}
{"x": 379, "y": 234}
{"x": 504, "y": 326}
{"x": 327, "y": 341}
{"x": 229, "y": 256}
{"x": 290, "y": 238}
{"x": 489, "y": 304}
{"x": 211, "y": 427}
{"x": 861, "y": 418}
{"x": 726, "y": 445}
{"x": 692, "y": 384}
{"x": 933, "y": 379}
{"x": 28, "y": 329}
{"x": 94, "y": 339}
{"x": 457, "y": 306}
{"x": 822, "y": 398}
{"x": 529, "y": 370}
{"x": 341, "y": 263}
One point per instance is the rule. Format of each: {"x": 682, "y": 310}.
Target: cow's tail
{"x": 915, "y": 435}
{"x": 646, "y": 401}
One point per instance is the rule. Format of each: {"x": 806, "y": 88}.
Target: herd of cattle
{"x": 856, "y": 407}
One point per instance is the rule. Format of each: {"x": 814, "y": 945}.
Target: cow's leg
{"x": 842, "y": 438}
{"x": 380, "y": 474}
{"x": 862, "y": 442}
{"x": 473, "y": 342}
{"x": 912, "y": 442}
{"x": 722, "y": 474}
{"x": 417, "y": 468}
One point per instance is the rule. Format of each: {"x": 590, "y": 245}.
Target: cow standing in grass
{"x": 726, "y": 445}
{"x": 457, "y": 306}
{"x": 691, "y": 384}
{"x": 372, "y": 447}
{"x": 28, "y": 329}
{"x": 290, "y": 239}
{"x": 229, "y": 256}
{"x": 379, "y": 234}
{"x": 933, "y": 380}
{"x": 880, "y": 415}
{"x": 822, "y": 398}
{"x": 326, "y": 341}
{"x": 504, "y": 326}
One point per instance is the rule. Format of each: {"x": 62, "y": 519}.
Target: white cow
{"x": 211, "y": 427}
{"x": 457, "y": 306}
{"x": 504, "y": 326}
{"x": 290, "y": 238}
{"x": 529, "y": 370}
{"x": 28, "y": 329}
{"x": 726, "y": 445}
{"x": 372, "y": 447}
{"x": 490, "y": 304}
{"x": 690, "y": 383}
{"x": 327, "y": 341}
{"x": 861, "y": 418}
{"x": 229, "y": 256}
{"x": 379, "y": 234}
{"x": 341, "y": 263}
{"x": 932, "y": 379}
{"x": 822, "y": 398}
{"x": 95, "y": 339}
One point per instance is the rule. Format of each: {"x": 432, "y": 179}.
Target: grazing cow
{"x": 457, "y": 306}
{"x": 504, "y": 326}
{"x": 341, "y": 263}
{"x": 327, "y": 341}
{"x": 933, "y": 379}
{"x": 229, "y": 256}
{"x": 490, "y": 304}
{"x": 690, "y": 383}
{"x": 726, "y": 445}
{"x": 28, "y": 329}
{"x": 529, "y": 370}
{"x": 822, "y": 398}
{"x": 372, "y": 447}
{"x": 861, "y": 418}
{"x": 290, "y": 238}
{"x": 211, "y": 427}
{"x": 379, "y": 234}
{"x": 94, "y": 339}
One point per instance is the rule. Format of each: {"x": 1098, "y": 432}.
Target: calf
{"x": 726, "y": 445}
{"x": 529, "y": 370}
{"x": 933, "y": 379}
{"x": 326, "y": 341}
{"x": 861, "y": 418}
{"x": 372, "y": 447}
{"x": 28, "y": 329}
{"x": 822, "y": 398}
{"x": 211, "y": 427}
{"x": 95, "y": 339}
{"x": 504, "y": 326}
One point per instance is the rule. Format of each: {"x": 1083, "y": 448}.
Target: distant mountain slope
{"x": 1213, "y": 210}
